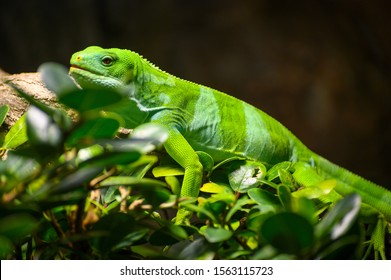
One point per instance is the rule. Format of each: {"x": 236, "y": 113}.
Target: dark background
{"x": 320, "y": 67}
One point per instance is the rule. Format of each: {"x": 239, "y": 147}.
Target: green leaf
{"x": 273, "y": 172}
{"x": 111, "y": 194}
{"x": 306, "y": 175}
{"x": 287, "y": 179}
{"x": 199, "y": 209}
{"x": 6, "y": 247}
{"x": 163, "y": 171}
{"x": 112, "y": 158}
{"x": 155, "y": 195}
{"x": 174, "y": 184}
{"x": 90, "y": 130}
{"x": 47, "y": 232}
{"x": 266, "y": 201}
{"x": 344, "y": 248}
{"x": 238, "y": 206}
{"x": 17, "y": 226}
{"x": 131, "y": 239}
{"x": 245, "y": 175}
{"x": 167, "y": 235}
{"x": 124, "y": 108}
{"x": 306, "y": 208}
{"x": 228, "y": 197}
{"x": 111, "y": 230}
{"x": 288, "y": 232}
{"x": 228, "y": 160}
{"x": 55, "y": 77}
{"x": 322, "y": 189}
{"x": 206, "y": 160}
{"x": 256, "y": 218}
{"x": 132, "y": 181}
{"x": 285, "y": 197}
{"x": 77, "y": 179}
{"x": 15, "y": 170}
{"x": 215, "y": 188}
{"x": 263, "y": 197}
{"x": 151, "y": 135}
{"x": 154, "y": 192}
{"x": 340, "y": 218}
{"x": 215, "y": 207}
{"x": 17, "y": 135}
{"x": 3, "y": 113}
{"x": 215, "y": 235}
{"x": 59, "y": 116}
{"x": 83, "y": 100}
{"x": 41, "y": 129}
{"x": 89, "y": 152}
{"x": 198, "y": 249}
{"x": 145, "y": 139}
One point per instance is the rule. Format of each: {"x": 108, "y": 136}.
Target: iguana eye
{"x": 107, "y": 60}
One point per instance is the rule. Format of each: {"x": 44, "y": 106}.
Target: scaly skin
{"x": 199, "y": 118}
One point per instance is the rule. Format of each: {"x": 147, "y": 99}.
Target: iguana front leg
{"x": 181, "y": 151}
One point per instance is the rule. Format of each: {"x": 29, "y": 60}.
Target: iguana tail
{"x": 371, "y": 194}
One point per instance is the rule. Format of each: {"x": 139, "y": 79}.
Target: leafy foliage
{"x": 82, "y": 190}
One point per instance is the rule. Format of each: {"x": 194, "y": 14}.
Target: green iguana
{"x": 199, "y": 118}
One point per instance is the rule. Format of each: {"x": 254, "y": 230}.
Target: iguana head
{"x": 95, "y": 67}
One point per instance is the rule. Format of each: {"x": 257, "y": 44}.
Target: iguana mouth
{"x": 77, "y": 67}
{"x": 80, "y": 68}
{"x": 73, "y": 66}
